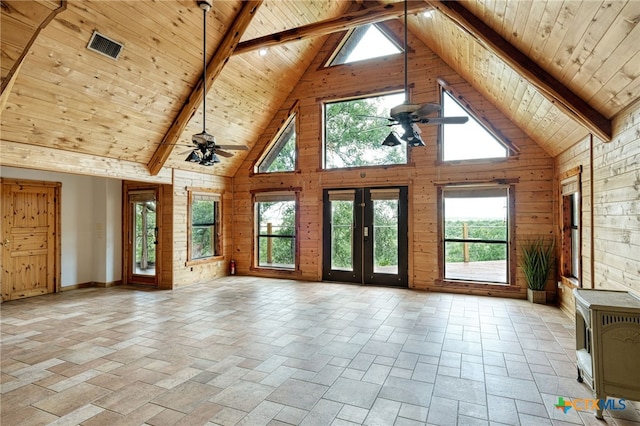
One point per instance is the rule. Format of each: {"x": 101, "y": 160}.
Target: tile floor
{"x": 253, "y": 351}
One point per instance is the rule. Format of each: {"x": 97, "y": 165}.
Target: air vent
{"x": 104, "y": 45}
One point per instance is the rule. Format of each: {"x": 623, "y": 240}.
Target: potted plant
{"x": 537, "y": 260}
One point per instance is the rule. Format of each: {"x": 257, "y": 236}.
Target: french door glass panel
{"x": 342, "y": 221}
{"x": 385, "y": 236}
{"x": 144, "y": 232}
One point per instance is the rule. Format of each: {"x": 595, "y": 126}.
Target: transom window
{"x": 280, "y": 155}
{"x": 355, "y": 129}
{"x": 469, "y": 142}
{"x": 476, "y": 238}
{"x": 364, "y": 42}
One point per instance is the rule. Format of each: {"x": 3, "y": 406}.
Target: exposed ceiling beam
{"x": 549, "y": 87}
{"x": 214, "y": 67}
{"x": 369, "y": 15}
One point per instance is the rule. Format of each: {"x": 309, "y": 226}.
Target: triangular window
{"x": 364, "y": 42}
{"x": 469, "y": 141}
{"x": 281, "y": 153}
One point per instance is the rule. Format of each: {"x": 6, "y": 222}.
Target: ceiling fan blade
{"x": 444, "y": 120}
{"x": 224, "y": 153}
{"x": 379, "y": 127}
{"x": 374, "y": 116}
{"x": 426, "y": 109}
{"x": 186, "y": 152}
{"x": 232, "y": 147}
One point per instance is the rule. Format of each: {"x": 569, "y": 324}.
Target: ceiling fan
{"x": 206, "y": 150}
{"x": 408, "y": 115}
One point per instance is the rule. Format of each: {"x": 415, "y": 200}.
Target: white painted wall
{"x": 91, "y": 225}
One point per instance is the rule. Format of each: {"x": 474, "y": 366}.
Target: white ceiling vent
{"x": 104, "y": 45}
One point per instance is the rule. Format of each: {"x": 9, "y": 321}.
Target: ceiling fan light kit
{"x": 392, "y": 140}
{"x": 205, "y": 149}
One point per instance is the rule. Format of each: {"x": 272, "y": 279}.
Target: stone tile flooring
{"x": 255, "y": 351}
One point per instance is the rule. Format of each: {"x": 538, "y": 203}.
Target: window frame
{"x": 273, "y": 195}
{"x": 570, "y": 201}
{"x": 276, "y": 141}
{"x": 216, "y": 197}
{"x": 345, "y": 39}
{"x": 509, "y": 185}
{"x": 355, "y": 97}
{"x": 512, "y": 149}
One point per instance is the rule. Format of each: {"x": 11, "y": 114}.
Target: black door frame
{"x": 362, "y": 246}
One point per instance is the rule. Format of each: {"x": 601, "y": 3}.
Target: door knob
{"x": 6, "y": 242}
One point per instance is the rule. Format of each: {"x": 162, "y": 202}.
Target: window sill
{"x": 476, "y": 161}
{"x": 204, "y": 261}
{"x": 280, "y": 271}
{"x": 356, "y": 168}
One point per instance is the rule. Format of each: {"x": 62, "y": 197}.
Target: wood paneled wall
{"x": 614, "y": 235}
{"x": 579, "y": 155}
{"x": 183, "y": 274}
{"x": 533, "y": 168}
{"x": 616, "y": 214}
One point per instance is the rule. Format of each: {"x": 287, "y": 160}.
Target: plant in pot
{"x": 537, "y": 261}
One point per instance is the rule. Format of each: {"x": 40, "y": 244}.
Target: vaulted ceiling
{"x": 558, "y": 69}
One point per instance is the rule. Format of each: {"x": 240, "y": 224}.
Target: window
{"x": 476, "y": 233}
{"x": 364, "y": 42}
{"x": 355, "y": 129}
{"x": 204, "y": 226}
{"x": 275, "y": 230}
{"x": 469, "y": 141}
{"x": 280, "y": 155}
{"x": 571, "y": 227}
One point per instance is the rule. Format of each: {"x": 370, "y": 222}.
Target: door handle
{"x": 6, "y": 242}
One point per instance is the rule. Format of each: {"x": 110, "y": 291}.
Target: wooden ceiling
{"x": 57, "y": 94}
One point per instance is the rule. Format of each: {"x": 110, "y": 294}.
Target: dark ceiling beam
{"x": 214, "y": 67}
{"x": 369, "y": 15}
{"x": 549, "y": 87}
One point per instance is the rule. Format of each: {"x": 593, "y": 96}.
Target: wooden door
{"x": 142, "y": 249}
{"x": 29, "y": 238}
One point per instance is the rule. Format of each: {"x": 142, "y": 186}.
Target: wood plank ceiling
{"x": 69, "y": 98}
{"x": 589, "y": 47}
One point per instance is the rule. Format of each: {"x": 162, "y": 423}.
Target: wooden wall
{"x": 578, "y": 155}
{"x": 183, "y": 274}
{"x": 614, "y": 237}
{"x": 533, "y": 168}
{"x": 616, "y": 208}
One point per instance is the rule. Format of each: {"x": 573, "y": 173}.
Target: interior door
{"x": 143, "y": 256}
{"x": 365, "y": 236}
{"x": 29, "y": 244}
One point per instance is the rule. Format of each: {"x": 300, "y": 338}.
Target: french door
{"x": 365, "y": 236}
{"x": 142, "y": 255}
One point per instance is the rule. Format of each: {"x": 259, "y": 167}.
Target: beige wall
{"x": 533, "y": 168}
